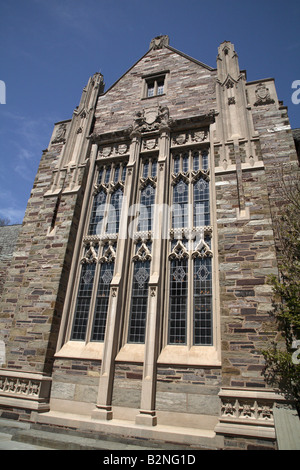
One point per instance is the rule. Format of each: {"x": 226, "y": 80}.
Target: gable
{"x": 190, "y": 89}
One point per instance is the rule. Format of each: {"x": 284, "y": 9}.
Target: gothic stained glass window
{"x": 100, "y": 314}
{"x": 83, "y": 301}
{"x": 180, "y": 205}
{"x": 178, "y": 301}
{"x": 201, "y": 203}
{"x": 202, "y": 301}
{"x": 97, "y": 214}
{"x": 139, "y": 300}
{"x": 190, "y": 323}
{"x": 91, "y": 303}
{"x": 146, "y": 208}
{"x": 114, "y": 212}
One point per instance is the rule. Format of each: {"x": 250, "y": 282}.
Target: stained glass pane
{"x": 97, "y": 213}
{"x": 83, "y": 302}
{"x": 202, "y": 301}
{"x": 139, "y": 299}
{"x": 178, "y": 301}
{"x": 100, "y": 314}
{"x": 201, "y": 203}
{"x": 146, "y": 208}
{"x": 114, "y": 212}
{"x": 180, "y": 205}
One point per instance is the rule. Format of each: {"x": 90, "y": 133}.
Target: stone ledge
{"x": 28, "y": 390}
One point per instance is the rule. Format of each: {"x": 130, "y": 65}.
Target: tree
{"x": 4, "y": 221}
{"x": 282, "y": 360}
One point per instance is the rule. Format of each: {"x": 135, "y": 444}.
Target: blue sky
{"x": 50, "y": 48}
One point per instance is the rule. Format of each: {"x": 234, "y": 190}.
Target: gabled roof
{"x": 167, "y": 46}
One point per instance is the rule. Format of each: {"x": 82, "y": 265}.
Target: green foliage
{"x": 281, "y": 368}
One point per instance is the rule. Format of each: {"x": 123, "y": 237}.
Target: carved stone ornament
{"x": 150, "y": 144}
{"x": 122, "y": 148}
{"x": 263, "y": 95}
{"x": 182, "y": 176}
{"x": 180, "y": 139}
{"x": 151, "y": 119}
{"x": 106, "y": 151}
{"x": 142, "y": 254}
{"x": 197, "y": 174}
{"x": 179, "y": 251}
{"x": 91, "y": 254}
{"x": 199, "y": 136}
{"x": 159, "y": 42}
{"x": 150, "y": 180}
{"x": 202, "y": 250}
{"x": 60, "y": 134}
{"x": 109, "y": 255}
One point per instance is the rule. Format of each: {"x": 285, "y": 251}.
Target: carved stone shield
{"x": 151, "y": 115}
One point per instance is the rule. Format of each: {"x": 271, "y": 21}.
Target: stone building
{"x": 136, "y": 302}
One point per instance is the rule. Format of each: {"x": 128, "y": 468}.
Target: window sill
{"x": 151, "y": 97}
{"x": 194, "y": 356}
{"x": 81, "y": 350}
{"x": 131, "y": 353}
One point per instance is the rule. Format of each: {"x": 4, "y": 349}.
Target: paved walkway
{"x": 15, "y": 435}
{"x": 8, "y": 430}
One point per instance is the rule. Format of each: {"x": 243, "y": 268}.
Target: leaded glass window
{"x": 139, "y": 294}
{"x": 203, "y": 301}
{"x": 178, "y": 296}
{"x": 97, "y": 265}
{"x": 114, "y": 212}
{"x": 201, "y": 203}
{"x": 146, "y": 208}
{"x": 97, "y": 214}
{"x": 180, "y": 205}
{"x": 83, "y": 301}
{"x": 190, "y": 262}
{"x": 101, "y": 306}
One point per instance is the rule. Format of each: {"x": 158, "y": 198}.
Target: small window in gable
{"x": 154, "y": 85}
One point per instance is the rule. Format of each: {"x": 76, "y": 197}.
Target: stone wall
{"x": 246, "y": 257}
{"x": 8, "y": 239}
{"x": 33, "y": 294}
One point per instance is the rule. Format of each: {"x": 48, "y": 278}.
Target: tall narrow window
{"x": 114, "y": 212}
{"x": 101, "y": 306}
{"x": 84, "y": 294}
{"x": 201, "y": 203}
{"x": 190, "y": 262}
{"x": 180, "y": 205}
{"x": 178, "y": 294}
{"x": 147, "y": 194}
{"x": 97, "y": 214}
{"x": 202, "y": 301}
{"x": 146, "y": 208}
{"x": 139, "y": 294}
{"x": 97, "y": 265}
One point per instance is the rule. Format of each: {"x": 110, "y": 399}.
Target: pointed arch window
{"x": 139, "y": 294}
{"x": 178, "y": 293}
{"x": 190, "y": 258}
{"x": 84, "y": 295}
{"x": 102, "y": 298}
{"x": 97, "y": 264}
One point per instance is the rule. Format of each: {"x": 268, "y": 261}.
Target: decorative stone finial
{"x": 159, "y": 42}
